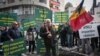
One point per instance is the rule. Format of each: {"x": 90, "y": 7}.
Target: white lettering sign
{"x": 88, "y": 31}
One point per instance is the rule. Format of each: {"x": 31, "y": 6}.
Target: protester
{"x": 77, "y": 40}
{"x": 4, "y": 34}
{"x": 14, "y": 32}
{"x": 85, "y": 45}
{"x": 47, "y": 33}
{"x": 62, "y": 35}
{"x": 75, "y": 35}
{"x": 69, "y": 35}
{"x": 31, "y": 39}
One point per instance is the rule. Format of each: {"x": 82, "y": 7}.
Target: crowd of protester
{"x": 48, "y": 33}
{"x": 10, "y": 33}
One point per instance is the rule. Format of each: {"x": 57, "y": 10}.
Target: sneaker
{"x": 23, "y": 54}
{"x": 30, "y": 53}
{"x": 34, "y": 52}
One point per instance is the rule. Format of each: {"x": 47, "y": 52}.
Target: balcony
{"x": 16, "y": 3}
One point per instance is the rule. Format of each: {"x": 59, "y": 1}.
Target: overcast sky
{"x": 87, "y": 3}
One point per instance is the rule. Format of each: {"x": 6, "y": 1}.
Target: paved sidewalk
{"x": 65, "y": 51}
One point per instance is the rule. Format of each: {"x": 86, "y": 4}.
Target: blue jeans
{"x": 70, "y": 40}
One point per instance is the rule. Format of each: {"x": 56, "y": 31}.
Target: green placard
{"x": 14, "y": 48}
{"x": 28, "y": 22}
{"x": 42, "y": 13}
{"x": 61, "y": 17}
{"x": 40, "y": 46}
{"x": 6, "y": 19}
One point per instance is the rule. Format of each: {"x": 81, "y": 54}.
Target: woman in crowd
{"x": 31, "y": 39}
{"x": 4, "y": 34}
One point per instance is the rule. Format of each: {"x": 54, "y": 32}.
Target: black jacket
{"x": 48, "y": 41}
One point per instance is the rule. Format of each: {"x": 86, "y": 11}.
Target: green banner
{"x": 40, "y": 46}
{"x": 61, "y": 17}
{"x": 6, "y": 19}
{"x": 14, "y": 48}
{"x": 42, "y": 13}
{"x": 28, "y": 22}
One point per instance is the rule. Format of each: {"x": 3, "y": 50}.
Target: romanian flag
{"x": 80, "y": 17}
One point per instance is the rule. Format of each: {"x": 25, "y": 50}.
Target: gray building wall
{"x": 23, "y": 8}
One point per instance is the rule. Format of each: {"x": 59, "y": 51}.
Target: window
{"x": 11, "y": 1}
{"x": 2, "y": 1}
{"x": 42, "y": 1}
{"x": 26, "y": 12}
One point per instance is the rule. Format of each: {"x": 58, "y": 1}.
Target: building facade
{"x": 23, "y": 8}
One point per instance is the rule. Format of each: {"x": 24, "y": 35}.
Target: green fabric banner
{"x": 42, "y": 13}
{"x": 14, "y": 48}
{"x": 40, "y": 46}
{"x": 61, "y": 17}
{"x": 6, "y": 19}
{"x": 28, "y": 22}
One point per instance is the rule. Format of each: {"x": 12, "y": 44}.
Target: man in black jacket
{"x": 47, "y": 33}
{"x": 14, "y": 32}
